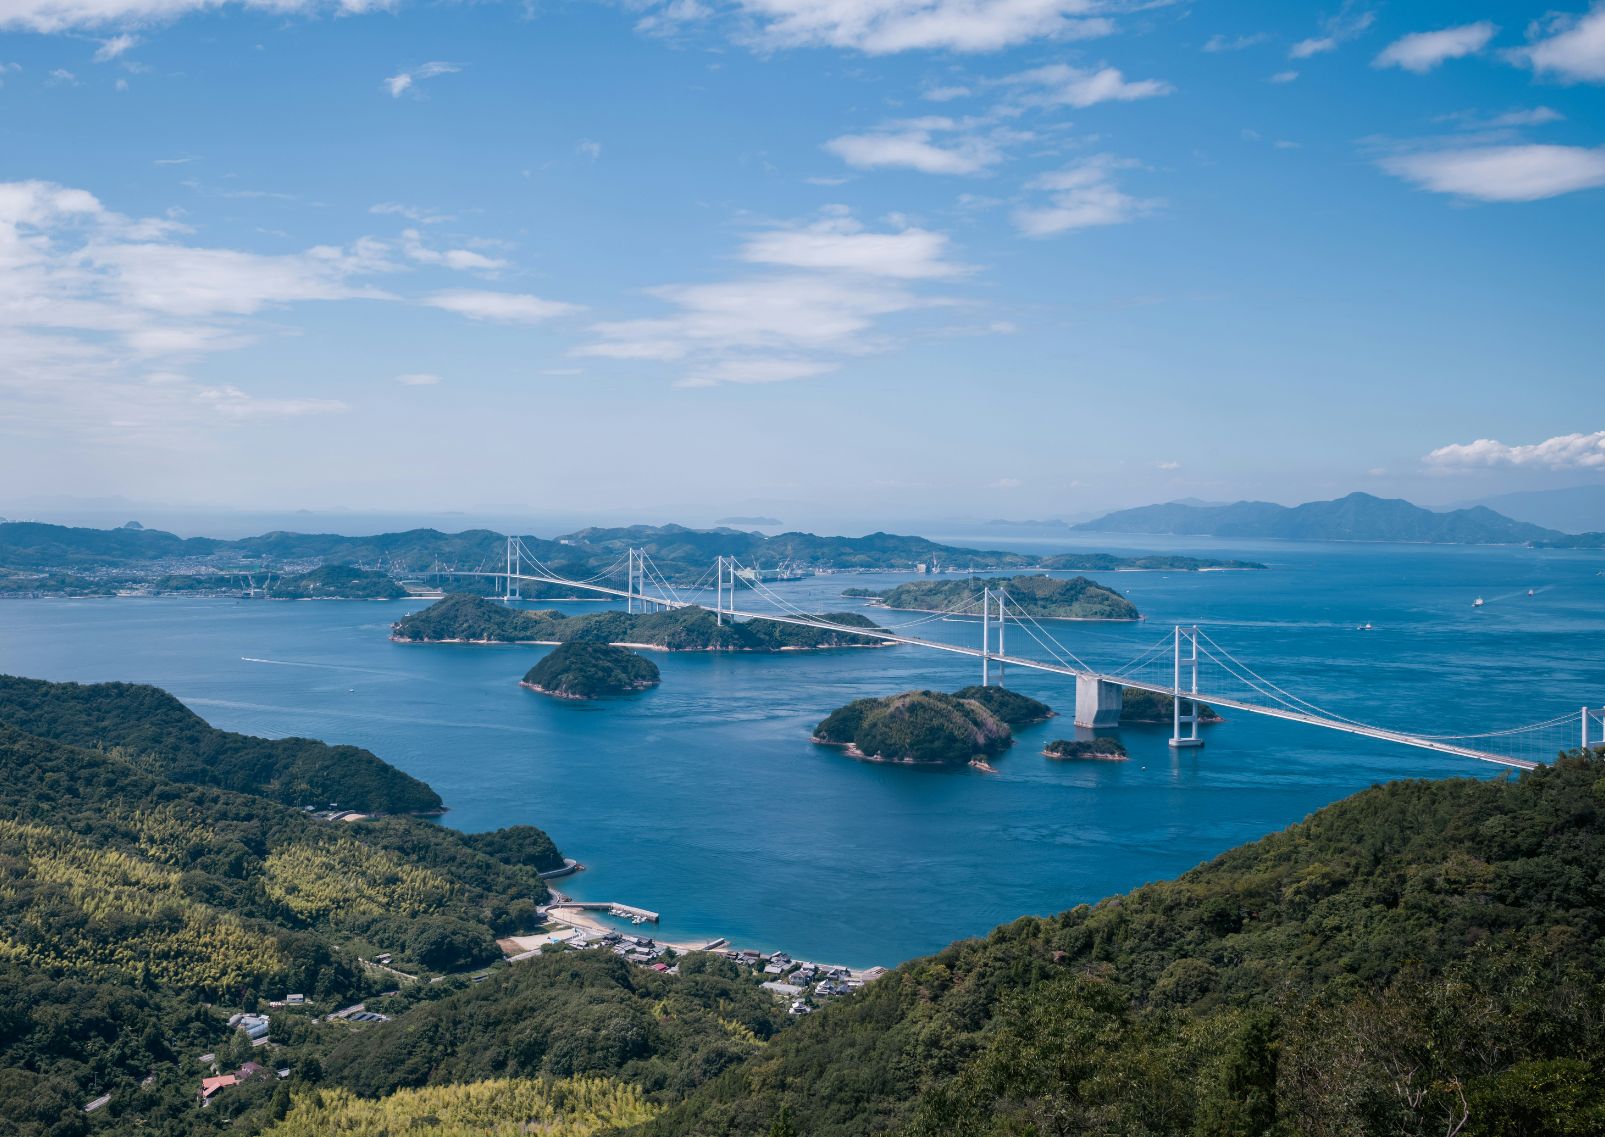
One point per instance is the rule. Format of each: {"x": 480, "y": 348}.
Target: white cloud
{"x": 1422, "y": 51}
{"x": 1563, "y": 452}
{"x": 1168, "y": 465}
{"x": 1218, "y": 43}
{"x": 1005, "y": 484}
{"x": 231, "y": 402}
{"x": 829, "y": 285}
{"x": 498, "y": 307}
{"x": 63, "y": 76}
{"x": 1534, "y": 116}
{"x": 112, "y": 48}
{"x": 100, "y": 314}
{"x": 66, "y": 15}
{"x": 1349, "y": 23}
{"x": 912, "y": 145}
{"x": 757, "y": 370}
{"x": 945, "y": 94}
{"x": 589, "y": 149}
{"x": 1079, "y": 197}
{"x": 414, "y": 249}
{"x": 403, "y": 81}
{"x": 1569, "y": 48}
{"x": 1060, "y": 85}
{"x": 879, "y": 27}
{"x": 1502, "y": 173}
{"x": 418, "y": 379}
{"x": 412, "y": 213}
{"x": 1284, "y": 77}
{"x": 839, "y": 242}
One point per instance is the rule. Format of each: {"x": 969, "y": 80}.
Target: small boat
{"x": 1531, "y": 592}
{"x": 1477, "y": 603}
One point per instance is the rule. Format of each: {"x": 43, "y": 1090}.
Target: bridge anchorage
{"x": 1187, "y": 664}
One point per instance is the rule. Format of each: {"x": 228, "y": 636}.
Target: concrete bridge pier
{"x": 1098, "y": 703}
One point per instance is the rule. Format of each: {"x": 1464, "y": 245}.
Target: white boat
{"x": 1477, "y": 603}
{"x": 1530, "y": 592}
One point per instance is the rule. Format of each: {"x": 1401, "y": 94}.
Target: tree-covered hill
{"x": 164, "y": 736}
{"x": 1042, "y": 596}
{"x": 926, "y": 727}
{"x": 1012, "y": 707}
{"x": 461, "y": 618}
{"x": 134, "y": 909}
{"x": 336, "y": 582}
{"x": 590, "y": 670}
{"x": 1421, "y": 958}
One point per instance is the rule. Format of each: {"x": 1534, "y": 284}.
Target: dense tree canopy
{"x": 1042, "y": 596}
{"x": 579, "y": 670}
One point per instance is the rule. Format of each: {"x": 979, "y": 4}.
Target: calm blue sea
{"x": 704, "y": 800}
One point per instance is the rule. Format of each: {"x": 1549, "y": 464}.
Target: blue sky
{"x": 992, "y": 258}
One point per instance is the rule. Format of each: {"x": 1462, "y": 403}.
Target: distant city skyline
{"x": 677, "y": 261}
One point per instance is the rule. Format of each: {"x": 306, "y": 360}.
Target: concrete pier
{"x": 1098, "y": 703}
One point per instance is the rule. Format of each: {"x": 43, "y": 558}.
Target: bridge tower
{"x": 987, "y": 654}
{"x": 1590, "y": 714}
{"x": 1187, "y": 695}
{"x": 631, "y": 576}
{"x": 721, "y": 567}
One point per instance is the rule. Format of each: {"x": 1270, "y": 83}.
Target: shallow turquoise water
{"x": 704, "y": 800}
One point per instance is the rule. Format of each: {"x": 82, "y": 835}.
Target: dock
{"x": 612, "y": 908}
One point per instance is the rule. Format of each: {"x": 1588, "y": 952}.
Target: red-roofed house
{"x": 210, "y": 1086}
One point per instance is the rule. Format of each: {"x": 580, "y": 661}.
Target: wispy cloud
{"x": 413, "y": 213}
{"x": 1081, "y": 196}
{"x": 931, "y": 145}
{"x": 1567, "y": 47}
{"x": 1219, "y": 43}
{"x": 1563, "y": 452}
{"x": 1422, "y": 51}
{"x": 1501, "y": 173}
{"x": 1337, "y": 30}
{"x": 588, "y": 148}
{"x": 231, "y": 402}
{"x": 1284, "y": 76}
{"x": 418, "y": 379}
{"x": 414, "y": 249}
{"x": 68, "y": 15}
{"x": 882, "y": 27}
{"x": 117, "y": 45}
{"x": 1060, "y": 85}
{"x": 499, "y": 307}
{"x": 824, "y": 289}
{"x": 404, "y": 81}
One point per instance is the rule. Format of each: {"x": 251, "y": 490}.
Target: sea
{"x": 705, "y": 801}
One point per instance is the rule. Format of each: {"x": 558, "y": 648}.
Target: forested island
{"x": 919, "y": 727}
{"x": 463, "y": 618}
{"x": 335, "y": 582}
{"x": 1102, "y": 749}
{"x": 1139, "y": 706}
{"x": 583, "y": 670}
{"x": 1044, "y": 597}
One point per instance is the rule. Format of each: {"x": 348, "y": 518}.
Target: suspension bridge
{"x": 1187, "y": 665}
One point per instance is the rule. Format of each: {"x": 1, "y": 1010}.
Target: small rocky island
{"x": 1045, "y": 597}
{"x": 462, "y": 618}
{"x": 591, "y": 671}
{"x": 1098, "y": 749}
{"x": 929, "y": 727}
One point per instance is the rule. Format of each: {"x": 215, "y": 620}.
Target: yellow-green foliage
{"x": 502, "y": 1107}
{"x": 343, "y": 876}
{"x": 130, "y": 916}
{"x": 165, "y": 835}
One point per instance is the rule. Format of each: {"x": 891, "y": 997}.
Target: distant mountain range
{"x": 1571, "y": 509}
{"x": 1357, "y": 517}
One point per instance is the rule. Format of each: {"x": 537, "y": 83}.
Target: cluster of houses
{"x": 255, "y": 1027}
{"x": 211, "y": 1086}
{"x": 800, "y": 980}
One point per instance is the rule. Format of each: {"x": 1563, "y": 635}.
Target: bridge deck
{"x": 1056, "y": 668}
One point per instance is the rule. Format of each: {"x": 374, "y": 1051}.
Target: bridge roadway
{"x": 1056, "y": 668}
